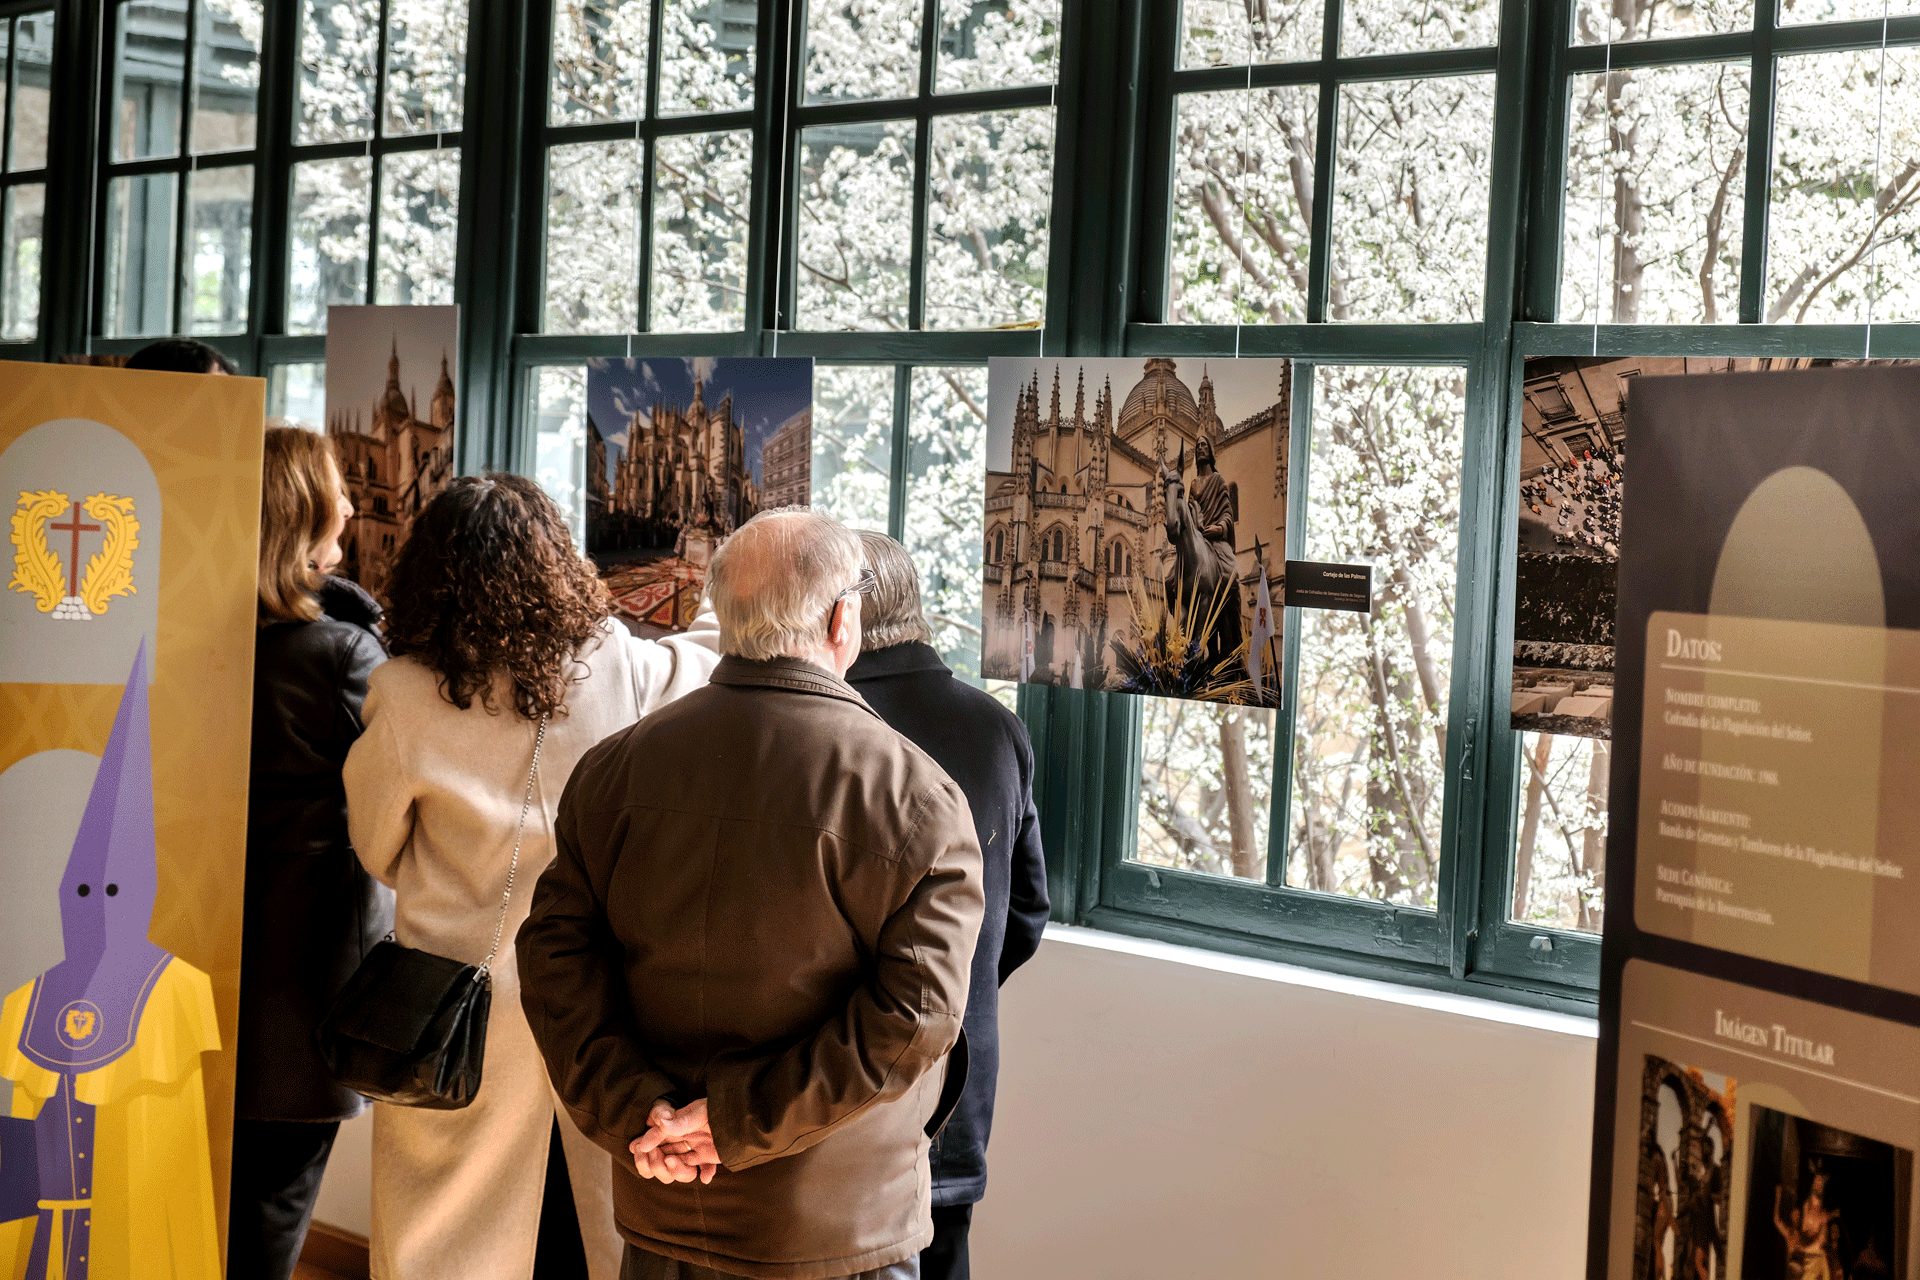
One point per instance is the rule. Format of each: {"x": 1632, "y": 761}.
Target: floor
{"x": 307, "y": 1271}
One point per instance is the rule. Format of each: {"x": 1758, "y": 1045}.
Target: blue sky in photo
{"x": 767, "y": 393}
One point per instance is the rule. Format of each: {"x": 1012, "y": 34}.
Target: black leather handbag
{"x": 410, "y": 1027}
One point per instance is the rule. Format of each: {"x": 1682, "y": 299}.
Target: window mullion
{"x": 899, "y": 461}
{"x": 922, "y": 167}
{"x": 1753, "y": 245}
{"x": 1299, "y": 479}
{"x": 7, "y": 78}
{"x": 649, "y": 140}
{"x": 1320, "y": 227}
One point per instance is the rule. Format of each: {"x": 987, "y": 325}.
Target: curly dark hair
{"x": 488, "y": 580}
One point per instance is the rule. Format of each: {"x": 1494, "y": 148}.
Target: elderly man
{"x": 748, "y": 961}
{"x": 984, "y": 748}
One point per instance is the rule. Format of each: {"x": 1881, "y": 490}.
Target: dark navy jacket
{"x": 984, "y": 748}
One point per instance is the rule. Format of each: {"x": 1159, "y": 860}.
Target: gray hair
{"x": 892, "y": 613}
{"x": 775, "y": 580}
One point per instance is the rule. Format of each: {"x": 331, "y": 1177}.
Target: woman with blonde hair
{"x": 312, "y": 912}
{"x": 507, "y": 667}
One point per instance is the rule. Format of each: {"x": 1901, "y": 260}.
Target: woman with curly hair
{"x": 496, "y": 626}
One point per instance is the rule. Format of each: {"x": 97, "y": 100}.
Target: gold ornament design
{"x": 35, "y": 568}
{"x": 110, "y": 572}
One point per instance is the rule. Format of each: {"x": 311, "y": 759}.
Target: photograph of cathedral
{"x": 391, "y": 373}
{"x": 680, "y": 453}
{"x": 1135, "y": 534}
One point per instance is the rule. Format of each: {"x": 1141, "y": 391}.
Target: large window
{"x": 1409, "y": 199}
{"x": 182, "y": 147}
{"x": 26, "y": 94}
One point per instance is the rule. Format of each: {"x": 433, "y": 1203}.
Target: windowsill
{"x": 1321, "y": 980}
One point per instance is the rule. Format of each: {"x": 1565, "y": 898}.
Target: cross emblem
{"x": 76, "y": 528}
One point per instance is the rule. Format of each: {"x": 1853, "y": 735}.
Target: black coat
{"x": 312, "y": 910}
{"x": 984, "y": 748}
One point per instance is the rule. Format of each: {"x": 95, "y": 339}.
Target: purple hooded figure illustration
{"x": 104, "y": 1053}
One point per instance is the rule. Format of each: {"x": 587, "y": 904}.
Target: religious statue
{"x": 1202, "y": 582}
{"x": 104, "y": 1054}
{"x": 1810, "y": 1230}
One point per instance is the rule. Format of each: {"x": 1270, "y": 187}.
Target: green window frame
{"x": 1110, "y": 234}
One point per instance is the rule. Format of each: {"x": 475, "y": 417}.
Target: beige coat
{"x": 433, "y": 794}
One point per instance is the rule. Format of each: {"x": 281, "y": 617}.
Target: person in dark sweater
{"x": 985, "y": 750}
{"x": 312, "y": 913}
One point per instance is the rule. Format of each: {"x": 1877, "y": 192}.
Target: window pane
{"x": 593, "y": 238}
{"x": 1799, "y": 11}
{"x": 1371, "y": 721}
{"x": 1410, "y": 200}
{"x": 219, "y": 249}
{"x": 559, "y": 394}
{"x": 298, "y": 393}
{"x": 150, "y": 73}
{"x": 339, "y": 44}
{"x": 140, "y": 255}
{"x": 419, "y": 216}
{"x": 702, "y": 183}
{"x": 856, "y": 225}
{"x": 1242, "y": 201}
{"x": 1602, "y": 21}
{"x": 989, "y": 192}
{"x": 226, "y": 108}
{"x": 1221, "y": 33}
{"x": 1559, "y": 869}
{"x": 329, "y": 240}
{"x": 1206, "y": 787}
{"x": 853, "y": 443}
{"x": 707, "y": 55}
{"x": 1843, "y": 237}
{"x": 22, "y": 220}
{"x": 862, "y": 49}
{"x": 32, "y": 90}
{"x": 599, "y": 60}
{"x": 1655, "y": 196}
{"x": 1392, "y": 26}
{"x": 946, "y": 452}
{"x": 997, "y": 44}
{"x": 426, "y": 65}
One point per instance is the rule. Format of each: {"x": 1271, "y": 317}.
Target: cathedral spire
{"x": 1080, "y": 400}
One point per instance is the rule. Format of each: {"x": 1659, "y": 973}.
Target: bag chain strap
{"x": 506, "y": 898}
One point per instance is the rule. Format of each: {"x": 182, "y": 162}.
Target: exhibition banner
{"x": 680, "y": 453}
{"x": 124, "y": 716}
{"x": 1757, "y": 1101}
{"x": 391, "y": 413}
{"x": 1136, "y": 525}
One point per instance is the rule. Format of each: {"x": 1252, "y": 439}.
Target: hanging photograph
{"x": 391, "y": 409}
{"x": 1573, "y": 461}
{"x": 1686, "y": 1163}
{"x": 1817, "y": 1195}
{"x": 1135, "y": 535}
{"x": 680, "y": 453}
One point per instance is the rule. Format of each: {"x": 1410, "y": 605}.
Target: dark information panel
{"x": 1758, "y": 1096}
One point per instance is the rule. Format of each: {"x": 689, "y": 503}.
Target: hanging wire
{"x": 1600, "y": 184}
{"x": 1879, "y": 135}
{"x": 1246, "y": 148}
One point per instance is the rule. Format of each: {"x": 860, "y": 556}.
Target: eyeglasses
{"x": 863, "y": 587}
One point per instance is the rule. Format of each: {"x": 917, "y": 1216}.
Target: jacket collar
{"x": 792, "y": 674}
{"x": 909, "y": 658}
{"x": 345, "y": 601}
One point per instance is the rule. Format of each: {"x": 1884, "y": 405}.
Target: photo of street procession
{"x": 680, "y": 453}
{"x": 1135, "y": 532}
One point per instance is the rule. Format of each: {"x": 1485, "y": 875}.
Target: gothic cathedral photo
{"x": 1136, "y": 540}
{"x": 680, "y": 453}
{"x": 396, "y": 452}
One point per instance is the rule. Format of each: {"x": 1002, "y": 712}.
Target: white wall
{"x": 1171, "y": 1113}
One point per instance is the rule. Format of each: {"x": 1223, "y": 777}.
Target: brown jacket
{"x": 764, "y": 896}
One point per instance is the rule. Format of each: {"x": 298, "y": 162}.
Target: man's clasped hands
{"x": 678, "y": 1145}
